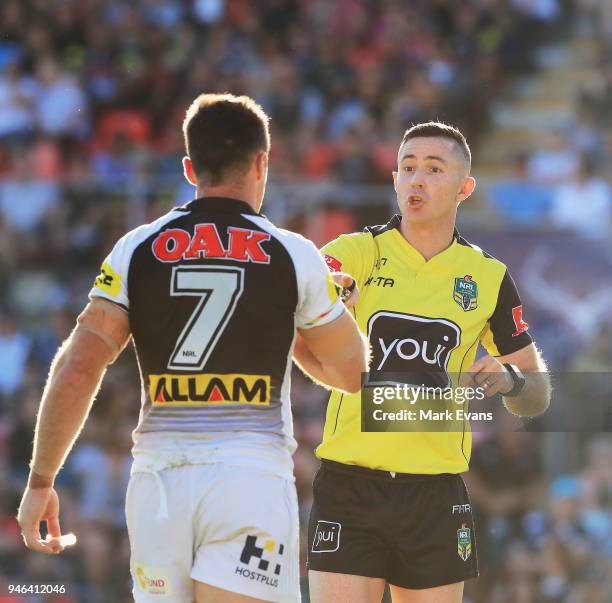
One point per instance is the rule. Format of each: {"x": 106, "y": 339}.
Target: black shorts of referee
{"x": 414, "y": 531}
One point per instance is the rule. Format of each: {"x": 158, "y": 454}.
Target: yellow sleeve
{"x": 353, "y": 253}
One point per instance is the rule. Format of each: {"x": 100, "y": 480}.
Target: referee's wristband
{"x": 518, "y": 380}
{"x": 346, "y": 291}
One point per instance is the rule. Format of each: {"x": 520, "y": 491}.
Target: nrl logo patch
{"x": 464, "y": 542}
{"x": 466, "y": 293}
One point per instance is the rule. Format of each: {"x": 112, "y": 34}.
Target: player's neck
{"x": 428, "y": 239}
{"x": 231, "y": 192}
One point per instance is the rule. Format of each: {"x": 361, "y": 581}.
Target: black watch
{"x": 517, "y": 378}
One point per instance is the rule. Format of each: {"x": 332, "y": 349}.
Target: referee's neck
{"x": 430, "y": 239}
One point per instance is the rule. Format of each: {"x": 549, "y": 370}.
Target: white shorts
{"x": 230, "y": 527}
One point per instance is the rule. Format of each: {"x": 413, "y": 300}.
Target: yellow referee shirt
{"x": 419, "y": 316}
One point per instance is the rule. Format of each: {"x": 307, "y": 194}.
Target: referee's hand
{"x": 350, "y": 291}
{"x": 488, "y": 374}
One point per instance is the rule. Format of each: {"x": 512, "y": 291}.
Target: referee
{"x": 392, "y": 507}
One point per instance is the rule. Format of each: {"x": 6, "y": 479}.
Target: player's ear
{"x": 394, "y": 174}
{"x": 261, "y": 164}
{"x": 189, "y": 172}
{"x": 467, "y": 188}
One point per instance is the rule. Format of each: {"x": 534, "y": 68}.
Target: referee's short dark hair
{"x": 222, "y": 134}
{"x": 437, "y": 129}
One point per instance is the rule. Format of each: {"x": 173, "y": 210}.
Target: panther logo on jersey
{"x": 411, "y": 349}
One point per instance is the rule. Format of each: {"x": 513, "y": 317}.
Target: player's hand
{"x": 41, "y": 504}
{"x": 350, "y": 291}
{"x": 488, "y": 374}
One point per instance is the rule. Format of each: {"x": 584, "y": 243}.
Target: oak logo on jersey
{"x": 179, "y": 390}
{"x": 244, "y": 245}
{"x": 412, "y": 349}
{"x": 466, "y": 293}
{"x": 108, "y": 280}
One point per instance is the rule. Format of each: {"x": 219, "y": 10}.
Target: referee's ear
{"x": 467, "y": 188}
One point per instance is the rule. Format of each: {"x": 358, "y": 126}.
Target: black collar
{"x": 395, "y": 222}
{"x": 225, "y": 205}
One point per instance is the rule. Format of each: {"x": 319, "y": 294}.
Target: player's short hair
{"x": 437, "y": 129}
{"x": 222, "y": 134}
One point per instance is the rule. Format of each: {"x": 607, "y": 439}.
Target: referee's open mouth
{"x": 415, "y": 201}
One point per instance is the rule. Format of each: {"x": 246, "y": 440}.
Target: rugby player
{"x": 211, "y": 294}
{"x": 392, "y": 507}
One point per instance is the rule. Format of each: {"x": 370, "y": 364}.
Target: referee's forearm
{"x": 535, "y": 397}
{"x": 73, "y": 381}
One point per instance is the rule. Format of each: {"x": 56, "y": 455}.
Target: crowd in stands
{"x": 541, "y": 187}
{"x": 92, "y": 95}
{"x": 573, "y": 162}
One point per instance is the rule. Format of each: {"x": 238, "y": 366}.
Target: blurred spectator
{"x": 61, "y": 105}
{"x": 605, "y": 160}
{"x": 14, "y": 350}
{"x": 9, "y": 251}
{"x": 555, "y": 579}
{"x": 600, "y": 11}
{"x": 10, "y": 534}
{"x": 17, "y": 93}
{"x": 543, "y": 10}
{"x": 102, "y": 473}
{"x": 354, "y": 164}
{"x": 327, "y": 223}
{"x": 49, "y": 337}
{"x": 557, "y": 162}
{"x": 584, "y": 204}
{"x": 517, "y": 199}
{"x": 504, "y": 482}
{"x": 597, "y": 354}
{"x": 586, "y": 137}
{"x": 25, "y": 199}
{"x": 208, "y": 11}
{"x": 24, "y": 407}
{"x": 118, "y": 166}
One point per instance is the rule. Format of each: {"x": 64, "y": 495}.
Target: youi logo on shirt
{"x": 416, "y": 349}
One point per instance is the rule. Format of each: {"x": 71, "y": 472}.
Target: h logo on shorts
{"x": 326, "y": 537}
{"x": 251, "y": 550}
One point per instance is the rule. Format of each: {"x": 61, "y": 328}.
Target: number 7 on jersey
{"x": 219, "y": 289}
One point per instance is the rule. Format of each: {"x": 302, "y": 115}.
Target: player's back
{"x": 214, "y": 292}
